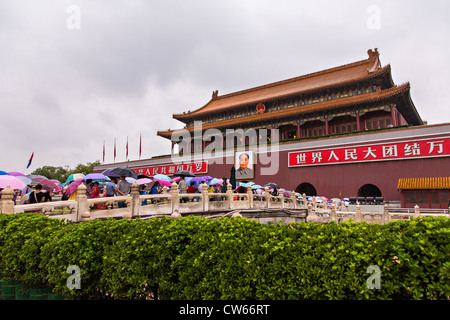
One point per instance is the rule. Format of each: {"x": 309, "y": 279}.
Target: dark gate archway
{"x": 306, "y": 188}
{"x": 369, "y": 190}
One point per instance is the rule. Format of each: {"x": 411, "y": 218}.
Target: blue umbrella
{"x": 96, "y": 176}
{"x": 214, "y": 181}
{"x": 3, "y": 173}
{"x": 256, "y": 186}
{"x": 162, "y": 177}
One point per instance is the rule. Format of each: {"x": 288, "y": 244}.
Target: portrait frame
{"x": 248, "y": 175}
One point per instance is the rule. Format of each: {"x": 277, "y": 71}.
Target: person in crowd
{"x": 95, "y": 193}
{"x": 38, "y": 195}
{"x": 111, "y": 188}
{"x": 156, "y": 189}
{"x": 143, "y": 192}
{"x": 182, "y": 188}
{"x": 123, "y": 188}
{"x": 192, "y": 188}
{"x": 89, "y": 185}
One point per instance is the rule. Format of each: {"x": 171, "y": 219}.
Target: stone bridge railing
{"x": 175, "y": 204}
{"x": 170, "y": 203}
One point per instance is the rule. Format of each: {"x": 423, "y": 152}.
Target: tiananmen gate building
{"x": 348, "y": 131}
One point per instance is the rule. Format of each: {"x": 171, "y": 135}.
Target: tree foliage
{"x": 62, "y": 173}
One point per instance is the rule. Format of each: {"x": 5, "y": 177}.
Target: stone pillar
{"x": 83, "y": 208}
{"x": 135, "y": 202}
{"x": 250, "y": 196}
{"x": 416, "y": 211}
{"x": 229, "y": 196}
{"x": 333, "y": 215}
{"x": 386, "y": 216}
{"x": 358, "y": 215}
{"x": 7, "y": 201}
{"x": 164, "y": 190}
{"x": 175, "y": 198}
{"x": 294, "y": 199}
{"x": 205, "y": 197}
{"x": 304, "y": 202}
{"x": 267, "y": 196}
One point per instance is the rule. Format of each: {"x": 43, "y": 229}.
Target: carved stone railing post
{"x": 229, "y": 196}
{"x": 205, "y": 196}
{"x": 358, "y": 215}
{"x": 386, "y": 216}
{"x": 175, "y": 198}
{"x": 135, "y": 202}
{"x": 333, "y": 215}
{"x": 416, "y": 211}
{"x": 83, "y": 208}
{"x": 7, "y": 204}
{"x": 267, "y": 196}
{"x": 294, "y": 199}
{"x": 250, "y": 196}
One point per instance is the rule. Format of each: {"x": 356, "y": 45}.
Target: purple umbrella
{"x": 108, "y": 173}
{"x": 96, "y": 176}
{"x": 16, "y": 174}
{"x": 73, "y": 186}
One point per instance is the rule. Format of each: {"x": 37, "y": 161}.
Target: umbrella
{"x": 130, "y": 180}
{"x": 233, "y": 177}
{"x": 246, "y": 184}
{"x": 73, "y": 186}
{"x": 140, "y": 176}
{"x": 57, "y": 182}
{"x": 272, "y": 185}
{"x": 184, "y": 173}
{"x": 144, "y": 180}
{"x": 3, "y": 173}
{"x": 13, "y": 182}
{"x": 75, "y": 176}
{"x": 176, "y": 179}
{"x": 125, "y": 172}
{"x": 108, "y": 173}
{"x": 199, "y": 179}
{"x": 16, "y": 174}
{"x": 256, "y": 186}
{"x": 46, "y": 183}
{"x": 96, "y": 176}
{"x": 163, "y": 182}
{"x": 25, "y": 179}
{"x": 162, "y": 177}
{"x": 215, "y": 181}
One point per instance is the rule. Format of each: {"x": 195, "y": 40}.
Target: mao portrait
{"x": 244, "y": 163}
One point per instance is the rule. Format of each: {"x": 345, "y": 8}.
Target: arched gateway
{"x": 369, "y": 190}
{"x": 306, "y": 188}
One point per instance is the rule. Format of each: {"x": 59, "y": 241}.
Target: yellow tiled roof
{"x": 423, "y": 183}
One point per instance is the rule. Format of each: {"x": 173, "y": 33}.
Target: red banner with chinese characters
{"x": 196, "y": 167}
{"x": 376, "y": 152}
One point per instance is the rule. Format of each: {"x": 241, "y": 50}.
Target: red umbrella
{"x": 46, "y": 183}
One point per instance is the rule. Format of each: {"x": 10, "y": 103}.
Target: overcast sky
{"x": 76, "y": 73}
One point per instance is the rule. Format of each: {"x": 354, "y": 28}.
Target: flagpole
{"x": 140, "y": 145}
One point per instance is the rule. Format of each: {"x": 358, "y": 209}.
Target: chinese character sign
{"x": 379, "y": 152}
{"x": 197, "y": 168}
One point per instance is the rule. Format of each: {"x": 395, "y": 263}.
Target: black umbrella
{"x": 233, "y": 178}
{"x": 272, "y": 185}
{"x": 108, "y": 173}
{"x": 184, "y": 173}
{"x": 124, "y": 171}
{"x": 141, "y": 176}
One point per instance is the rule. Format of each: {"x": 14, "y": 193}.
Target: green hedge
{"x": 228, "y": 258}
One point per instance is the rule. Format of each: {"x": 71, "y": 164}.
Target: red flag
{"x": 29, "y": 161}
{"x": 127, "y": 150}
{"x": 140, "y": 146}
{"x": 114, "y": 149}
